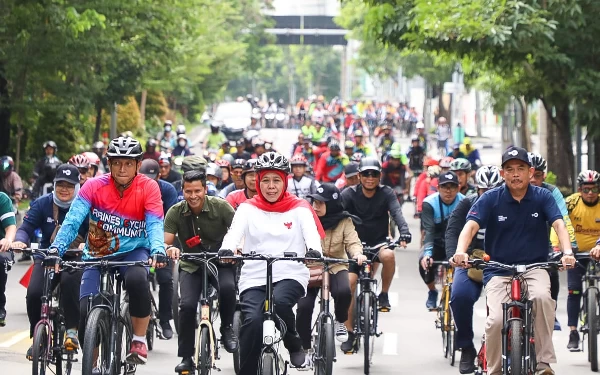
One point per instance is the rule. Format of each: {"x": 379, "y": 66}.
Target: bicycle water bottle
{"x": 268, "y": 332}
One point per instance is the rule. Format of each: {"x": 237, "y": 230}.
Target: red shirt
{"x": 235, "y": 198}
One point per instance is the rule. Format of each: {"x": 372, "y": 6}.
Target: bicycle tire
{"x": 97, "y": 334}
{"x": 366, "y": 309}
{"x": 441, "y": 318}
{"x": 326, "y": 350}
{"x": 268, "y": 364}
{"x": 592, "y": 321}
{"x": 175, "y": 300}
{"x": 237, "y": 325}
{"x": 204, "y": 362}
{"x": 123, "y": 342}
{"x": 150, "y": 334}
{"x": 451, "y": 343}
{"x": 515, "y": 330}
{"x": 40, "y": 350}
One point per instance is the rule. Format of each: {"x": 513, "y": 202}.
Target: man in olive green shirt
{"x": 8, "y": 230}
{"x": 200, "y": 222}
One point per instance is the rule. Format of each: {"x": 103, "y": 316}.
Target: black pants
{"x": 5, "y": 258}
{"x": 554, "y": 284}
{"x": 286, "y": 294}
{"x": 69, "y": 281}
{"x": 164, "y": 277}
{"x": 190, "y": 287}
{"x": 428, "y": 275}
{"x": 339, "y": 285}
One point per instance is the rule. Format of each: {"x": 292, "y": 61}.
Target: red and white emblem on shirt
{"x": 288, "y": 225}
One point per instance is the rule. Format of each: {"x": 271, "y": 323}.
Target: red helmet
{"x": 298, "y": 159}
{"x": 431, "y": 162}
{"x": 223, "y": 163}
{"x": 80, "y": 161}
{"x": 445, "y": 162}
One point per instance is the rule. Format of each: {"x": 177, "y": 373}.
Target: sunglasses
{"x": 370, "y": 174}
{"x": 594, "y": 190}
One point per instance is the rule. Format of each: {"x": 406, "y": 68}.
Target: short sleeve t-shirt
{"x": 7, "y": 215}
{"x": 516, "y": 232}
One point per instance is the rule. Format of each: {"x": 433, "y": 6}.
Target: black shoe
{"x": 185, "y": 367}
{"x": 29, "y": 354}
{"x": 167, "y": 331}
{"x": 467, "y": 360}
{"x": 348, "y": 346}
{"x": 573, "y": 341}
{"x": 2, "y": 317}
{"x": 229, "y": 339}
{"x": 384, "y": 302}
{"x": 298, "y": 358}
{"x": 24, "y": 258}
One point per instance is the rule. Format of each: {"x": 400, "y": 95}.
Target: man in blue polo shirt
{"x": 515, "y": 217}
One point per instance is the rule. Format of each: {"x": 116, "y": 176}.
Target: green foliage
{"x": 551, "y": 178}
{"x": 156, "y": 105}
{"x": 128, "y": 117}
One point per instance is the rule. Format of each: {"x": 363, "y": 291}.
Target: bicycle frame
{"x": 47, "y": 319}
{"x": 366, "y": 285}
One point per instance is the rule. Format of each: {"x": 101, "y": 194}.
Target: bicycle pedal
{"x": 384, "y": 309}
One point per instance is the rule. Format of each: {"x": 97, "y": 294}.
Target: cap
{"x": 193, "y": 163}
{"x": 457, "y": 146}
{"x": 351, "y": 169}
{"x": 448, "y": 178}
{"x": 326, "y": 192}
{"x": 68, "y": 173}
{"x": 516, "y": 153}
{"x": 149, "y": 168}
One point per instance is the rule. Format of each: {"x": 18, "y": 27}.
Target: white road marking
{"x": 390, "y": 343}
{"x": 15, "y": 339}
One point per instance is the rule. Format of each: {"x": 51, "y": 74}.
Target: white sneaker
{"x": 341, "y": 332}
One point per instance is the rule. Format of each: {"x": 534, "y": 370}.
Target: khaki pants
{"x": 496, "y": 291}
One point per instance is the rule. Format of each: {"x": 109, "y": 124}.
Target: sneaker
{"x": 573, "y": 344}
{"x": 2, "y": 317}
{"x": 71, "y": 340}
{"x": 167, "y": 331}
{"x": 348, "y": 346}
{"x": 431, "y": 303}
{"x": 297, "y": 359}
{"x": 557, "y": 326}
{"x": 384, "y": 302}
{"x": 186, "y": 366}
{"x": 138, "y": 354}
{"x": 467, "y": 360}
{"x": 341, "y": 332}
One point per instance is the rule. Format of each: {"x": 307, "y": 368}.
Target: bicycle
{"x": 589, "y": 313}
{"x": 206, "y": 350}
{"x": 153, "y": 325}
{"x": 518, "y": 341}
{"x": 324, "y": 344}
{"x": 445, "y": 319}
{"x": 108, "y": 330}
{"x": 270, "y": 362}
{"x": 49, "y": 332}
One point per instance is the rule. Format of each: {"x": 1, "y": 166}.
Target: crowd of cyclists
{"x": 334, "y": 196}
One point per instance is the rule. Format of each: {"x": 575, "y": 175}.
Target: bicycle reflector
{"x": 268, "y": 332}
{"x": 368, "y": 268}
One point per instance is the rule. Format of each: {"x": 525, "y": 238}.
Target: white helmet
{"x": 213, "y": 169}
{"x": 420, "y": 125}
{"x": 488, "y": 177}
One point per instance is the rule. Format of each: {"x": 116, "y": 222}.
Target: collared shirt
{"x": 516, "y": 232}
{"x": 7, "y": 216}
{"x": 210, "y": 225}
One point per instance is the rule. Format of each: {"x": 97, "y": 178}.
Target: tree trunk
{"x": 560, "y": 146}
{"x": 143, "y": 109}
{"x": 98, "y": 122}
{"x": 443, "y": 110}
{"x": 525, "y": 129}
{"x": 4, "y": 112}
{"x": 478, "y": 122}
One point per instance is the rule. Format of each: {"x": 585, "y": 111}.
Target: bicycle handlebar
{"x": 104, "y": 264}
{"x": 515, "y": 268}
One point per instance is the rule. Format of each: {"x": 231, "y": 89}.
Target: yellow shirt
{"x": 586, "y": 222}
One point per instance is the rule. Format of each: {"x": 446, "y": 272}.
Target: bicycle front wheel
{"x": 592, "y": 321}
{"x": 175, "y": 301}
{"x": 97, "y": 343}
{"x": 326, "y": 351}
{"x": 366, "y": 313}
{"x": 268, "y": 364}
{"x": 204, "y": 356}
{"x": 516, "y": 346}
{"x": 40, "y": 350}
{"x": 237, "y": 324}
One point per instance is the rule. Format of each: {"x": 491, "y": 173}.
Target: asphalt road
{"x": 410, "y": 343}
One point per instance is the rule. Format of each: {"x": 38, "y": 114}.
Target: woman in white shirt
{"x": 272, "y": 222}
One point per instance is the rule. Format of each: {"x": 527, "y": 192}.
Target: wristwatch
{"x": 568, "y": 253}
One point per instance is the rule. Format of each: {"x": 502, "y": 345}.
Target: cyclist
{"x": 48, "y": 213}
{"x": 10, "y": 181}
{"x": 428, "y": 186}
{"x": 466, "y": 286}
{"x": 164, "y": 276}
{"x": 95, "y": 163}
{"x": 386, "y": 140}
{"x": 249, "y": 178}
{"x": 182, "y": 148}
{"x": 151, "y": 152}
{"x": 237, "y": 168}
{"x": 421, "y": 135}
{"x": 583, "y": 209}
{"x": 125, "y": 216}
{"x": 45, "y": 169}
{"x": 216, "y": 137}
{"x": 538, "y": 179}
{"x": 350, "y": 177}
{"x": 225, "y": 172}
{"x": 470, "y": 152}
{"x": 271, "y": 223}
{"x": 437, "y": 209}
{"x": 394, "y": 173}
{"x": 8, "y": 230}
{"x": 166, "y": 171}
{"x": 359, "y": 146}
{"x": 213, "y": 177}
{"x": 241, "y": 152}
{"x": 349, "y": 148}
{"x": 189, "y": 163}
{"x": 82, "y": 163}
{"x": 416, "y": 155}
{"x": 456, "y": 152}
{"x": 99, "y": 149}
{"x": 462, "y": 168}
{"x": 330, "y": 165}
{"x": 299, "y": 183}
{"x": 515, "y": 217}
{"x": 166, "y": 139}
{"x": 200, "y": 222}
{"x": 340, "y": 241}
{"x": 373, "y": 204}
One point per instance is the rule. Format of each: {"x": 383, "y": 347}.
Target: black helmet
{"x": 273, "y": 161}
{"x": 369, "y": 163}
{"x": 50, "y": 144}
{"x": 249, "y": 166}
{"x": 124, "y": 148}
{"x": 238, "y": 163}
{"x": 334, "y": 146}
{"x": 98, "y": 147}
{"x": 151, "y": 143}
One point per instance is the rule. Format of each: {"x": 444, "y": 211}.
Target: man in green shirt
{"x": 200, "y": 222}
{"x": 8, "y": 229}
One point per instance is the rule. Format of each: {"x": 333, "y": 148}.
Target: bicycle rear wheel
{"x": 366, "y": 313}
{"x": 237, "y": 324}
{"x": 592, "y": 321}
{"x": 516, "y": 346}
{"x": 40, "y": 350}
{"x": 97, "y": 340}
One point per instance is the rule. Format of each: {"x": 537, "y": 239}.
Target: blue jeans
{"x": 465, "y": 292}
